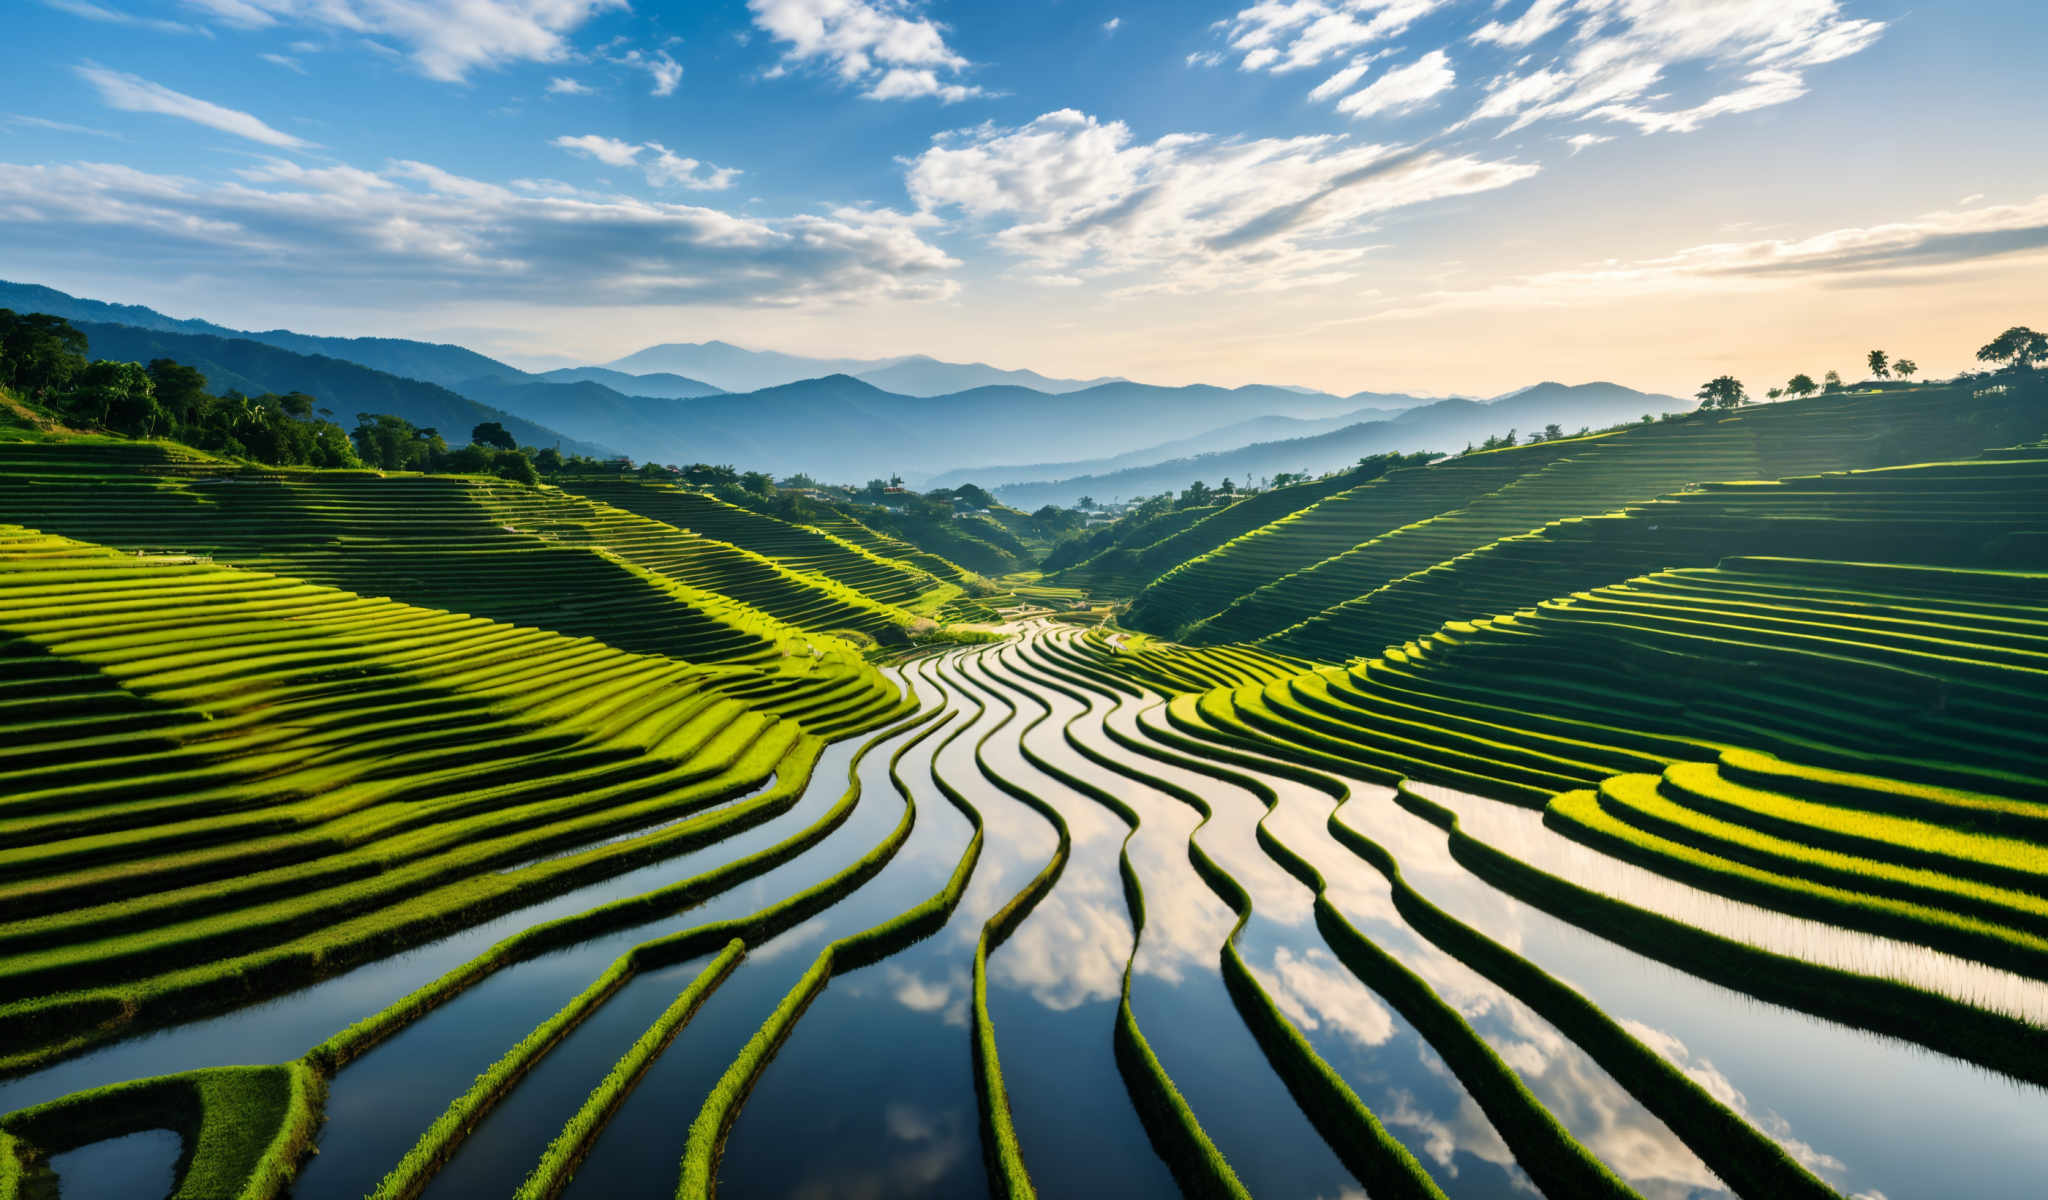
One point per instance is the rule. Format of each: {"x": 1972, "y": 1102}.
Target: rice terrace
{"x": 488, "y": 750}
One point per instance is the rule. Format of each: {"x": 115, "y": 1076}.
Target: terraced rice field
{"x": 1694, "y": 847}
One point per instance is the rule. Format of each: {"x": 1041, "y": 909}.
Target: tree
{"x": 758, "y": 482}
{"x": 1906, "y": 368}
{"x": 1085, "y": 502}
{"x": 1226, "y": 488}
{"x": 39, "y": 353}
{"x": 1831, "y": 382}
{"x": 1801, "y": 384}
{"x": 1880, "y": 364}
{"x": 1775, "y": 392}
{"x": 111, "y": 395}
{"x": 1722, "y": 391}
{"x": 515, "y": 466}
{"x": 492, "y": 433}
{"x": 2017, "y": 349}
{"x": 181, "y": 390}
{"x": 548, "y": 461}
{"x": 1552, "y": 432}
{"x": 1195, "y": 496}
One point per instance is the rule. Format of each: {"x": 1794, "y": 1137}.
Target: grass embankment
{"x": 244, "y": 1129}
{"x": 346, "y": 776}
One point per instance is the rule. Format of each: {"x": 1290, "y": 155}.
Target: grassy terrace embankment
{"x": 1355, "y": 541}
{"x": 297, "y": 778}
{"x": 537, "y": 556}
{"x": 800, "y": 548}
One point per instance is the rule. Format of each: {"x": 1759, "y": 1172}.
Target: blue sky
{"x": 1423, "y": 194}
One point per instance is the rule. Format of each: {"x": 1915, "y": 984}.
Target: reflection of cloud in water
{"x": 918, "y": 994}
{"x": 921, "y": 1150}
{"x": 1070, "y": 951}
{"x": 1313, "y": 989}
{"x": 808, "y": 933}
{"x": 1468, "y": 1130}
{"x": 1600, "y": 1112}
{"x": 1703, "y": 1072}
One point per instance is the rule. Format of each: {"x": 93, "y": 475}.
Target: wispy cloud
{"x": 1074, "y": 196}
{"x": 889, "y": 48}
{"x": 562, "y": 85}
{"x": 445, "y": 39}
{"x": 1403, "y": 88}
{"x": 284, "y": 60}
{"x": 662, "y": 166}
{"x": 1585, "y": 141}
{"x": 660, "y": 66}
{"x": 58, "y": 126}
{"x": 116, "y": 16}
{"x": 1288, "y": 35}
{"x": 1621, "y": 51}
{"x": 413, "y": 224}
{"x": 132, "y": 93}
{"x": 1111, "y": 25}
{"x": 1917, "y": 249}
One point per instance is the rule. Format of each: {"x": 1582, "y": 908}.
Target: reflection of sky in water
{"x": 1585, "y": 1099}
{"x": 1521, "y": 832}
{"x": 137, "y": 1166}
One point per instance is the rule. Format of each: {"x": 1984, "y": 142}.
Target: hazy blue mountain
{"x": 1228, "y": 437}
{"x": 1446, "y": 425}
{"x": 841, "y": 428}
{"x": 343, "y": 388}
{"x": 665, "y": 384}
{"x": 596, "y": 413}
{"x": 434, "y": 362}
{"x": 736, "y": 369}
{"x": 923, "y": 375}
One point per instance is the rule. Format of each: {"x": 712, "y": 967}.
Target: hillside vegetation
{"x": 1295, "y": 568}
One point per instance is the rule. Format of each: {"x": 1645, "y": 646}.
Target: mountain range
{"x": 736, "y": 369}
{"x": 692, "y": 402}
{"x": 1445, "y": 425}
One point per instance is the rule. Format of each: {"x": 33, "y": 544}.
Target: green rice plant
{"x": 1627, "y": 817}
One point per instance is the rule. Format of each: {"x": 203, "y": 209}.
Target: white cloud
{"x": 662, "y": 166}
{"x": 60, "y": 126}
{"x": 115, "y": 16}
{"x": 562, "y": 85}
{"x": 1536, "y": 21}
{"x": 1073, "y": 196}
{"x": 610, "y": 151}
{"x": 1205, "y": 58}
{"x": 659, "y": 65}
{"x": 1110, "y": 26}
{"x": 1897, "y": 253}
{"x": 132, "y": 93}
{"x": 414, "y": 227}
{"x": 1288, "y": 35}
{"x": 1583, "y": 141}
{"x": 1339, "y": 83}
{"x": 888, "y": 47}
{"x": 1403, "y": 88}
{"x": 446, "y": 39}
{"x": 1621, "y": 50}
{"x": 284, "y": 60}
